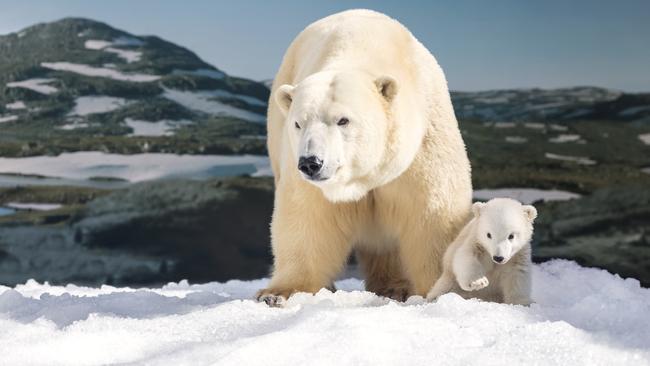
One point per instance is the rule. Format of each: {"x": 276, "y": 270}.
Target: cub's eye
{"x": 297, "y": 125}
{"x": 343, "y": 121}
{"x": 511, "y": 236}
{"x": 489, "y": 236}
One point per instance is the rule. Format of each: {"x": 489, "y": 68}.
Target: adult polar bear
{"x": 367, "y": 155}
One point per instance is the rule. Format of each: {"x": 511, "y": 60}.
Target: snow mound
{"x": 581, "y": 317}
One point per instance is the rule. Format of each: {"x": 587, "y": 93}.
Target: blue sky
{"x": 480, "y": 44}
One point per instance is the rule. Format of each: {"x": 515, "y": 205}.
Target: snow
{"x": 556, "y": 127}
{"x": 74, "y": 125}
{"x": 158, "y": 128}
{"x": 34, "y": 206}
{"x": 581, "y": 317}
{"x": 97, "y": 104}
{"x": 94, "y": 44}
{"x": 38, "y": 85}
{"x": 564, "y": 138}
{"x": 127, "y": 55}
{"x": 9, "y": 118}
{"x": 535, "y": 125}
{"x": 525, "y": 195}
{"x": 504, "y": 124}
{"x": 516, "y": 139}
{"x": 645, "y": 138}
{"x": 88, "y": 70}
{"x": 215, "y": 74}
{"x": 575, "y": 159}
{"x": 204, "y": 101}
{"x": 137, "y": 167}
{"x": 19, "y": 104}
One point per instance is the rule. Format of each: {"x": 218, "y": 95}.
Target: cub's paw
{"x": 273, "y": 297}
{"x": 478, "y": 284}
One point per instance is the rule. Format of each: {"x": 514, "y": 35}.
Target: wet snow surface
{"x": 581, "y": 317}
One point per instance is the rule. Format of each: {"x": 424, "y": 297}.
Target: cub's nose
{"x": 310, "y": 165}
{"x": 497, "y": 258}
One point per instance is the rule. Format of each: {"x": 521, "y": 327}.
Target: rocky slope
{"x": 78, "y": 84}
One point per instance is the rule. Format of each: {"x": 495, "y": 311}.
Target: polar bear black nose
{"x": 498, "y": 258}
{"x": 310, "y": 165}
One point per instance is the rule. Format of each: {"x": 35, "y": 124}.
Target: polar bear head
{"x": 342, "y": 133}
{"x": 503, "y": 227}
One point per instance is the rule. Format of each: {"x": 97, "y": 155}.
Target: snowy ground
{"x": 581, "y": 317}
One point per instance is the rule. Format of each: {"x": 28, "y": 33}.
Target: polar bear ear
{"x": 387, "y": 87}
{"x": 284, "y": 96}
{"x": 476, "y": 208}
{"x": 530, "y": 212}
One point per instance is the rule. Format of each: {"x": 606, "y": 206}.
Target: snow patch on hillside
{"x": 564, "y": 138}
{"x": 206, "y": 102}
{"x": 9, "y": 118}
{"x": 581, "y": 317}
{"x": 38, "y": 85}
{"x": 157, "y": 128}
{"x": 88, "y": 70}
{"x": 645, "y": 138}
{"x": 97, "y": 104}
{"x": 574, "y": 159}
{"x": 34, "y": 206}
{"x": 16, "y": 105}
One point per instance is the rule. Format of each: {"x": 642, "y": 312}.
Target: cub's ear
{"x": 284, "y": 96}
{"x": 476, "y": 208}
{"x": 387, "y": 87}
{"x": 530, "y": 212}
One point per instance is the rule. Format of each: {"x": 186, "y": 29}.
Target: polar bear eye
{"x": 343, "y": 121}
{"x": 489, "y": 236}
{"x": 511, "y": 236}
{"x": 297, "y": 125}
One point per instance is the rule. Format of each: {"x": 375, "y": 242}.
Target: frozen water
{"x": 137, "y": 167}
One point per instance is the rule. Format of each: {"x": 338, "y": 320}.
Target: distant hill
{"x": 82, "y": 84}
{"x": 579, "y": 103}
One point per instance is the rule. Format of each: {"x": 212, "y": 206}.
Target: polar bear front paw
{"x": 274, "y": 299}
{"x": 478, "y": 284}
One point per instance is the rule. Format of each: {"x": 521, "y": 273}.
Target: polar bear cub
{"x": 491, "y": 257}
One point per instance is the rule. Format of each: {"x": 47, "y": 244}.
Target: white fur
{"x": 501, "y": 227}
{"x": 395, "y": 182}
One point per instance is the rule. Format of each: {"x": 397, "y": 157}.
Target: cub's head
{"x": 504, "y": 226}
{"x": 340, "y": 131}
